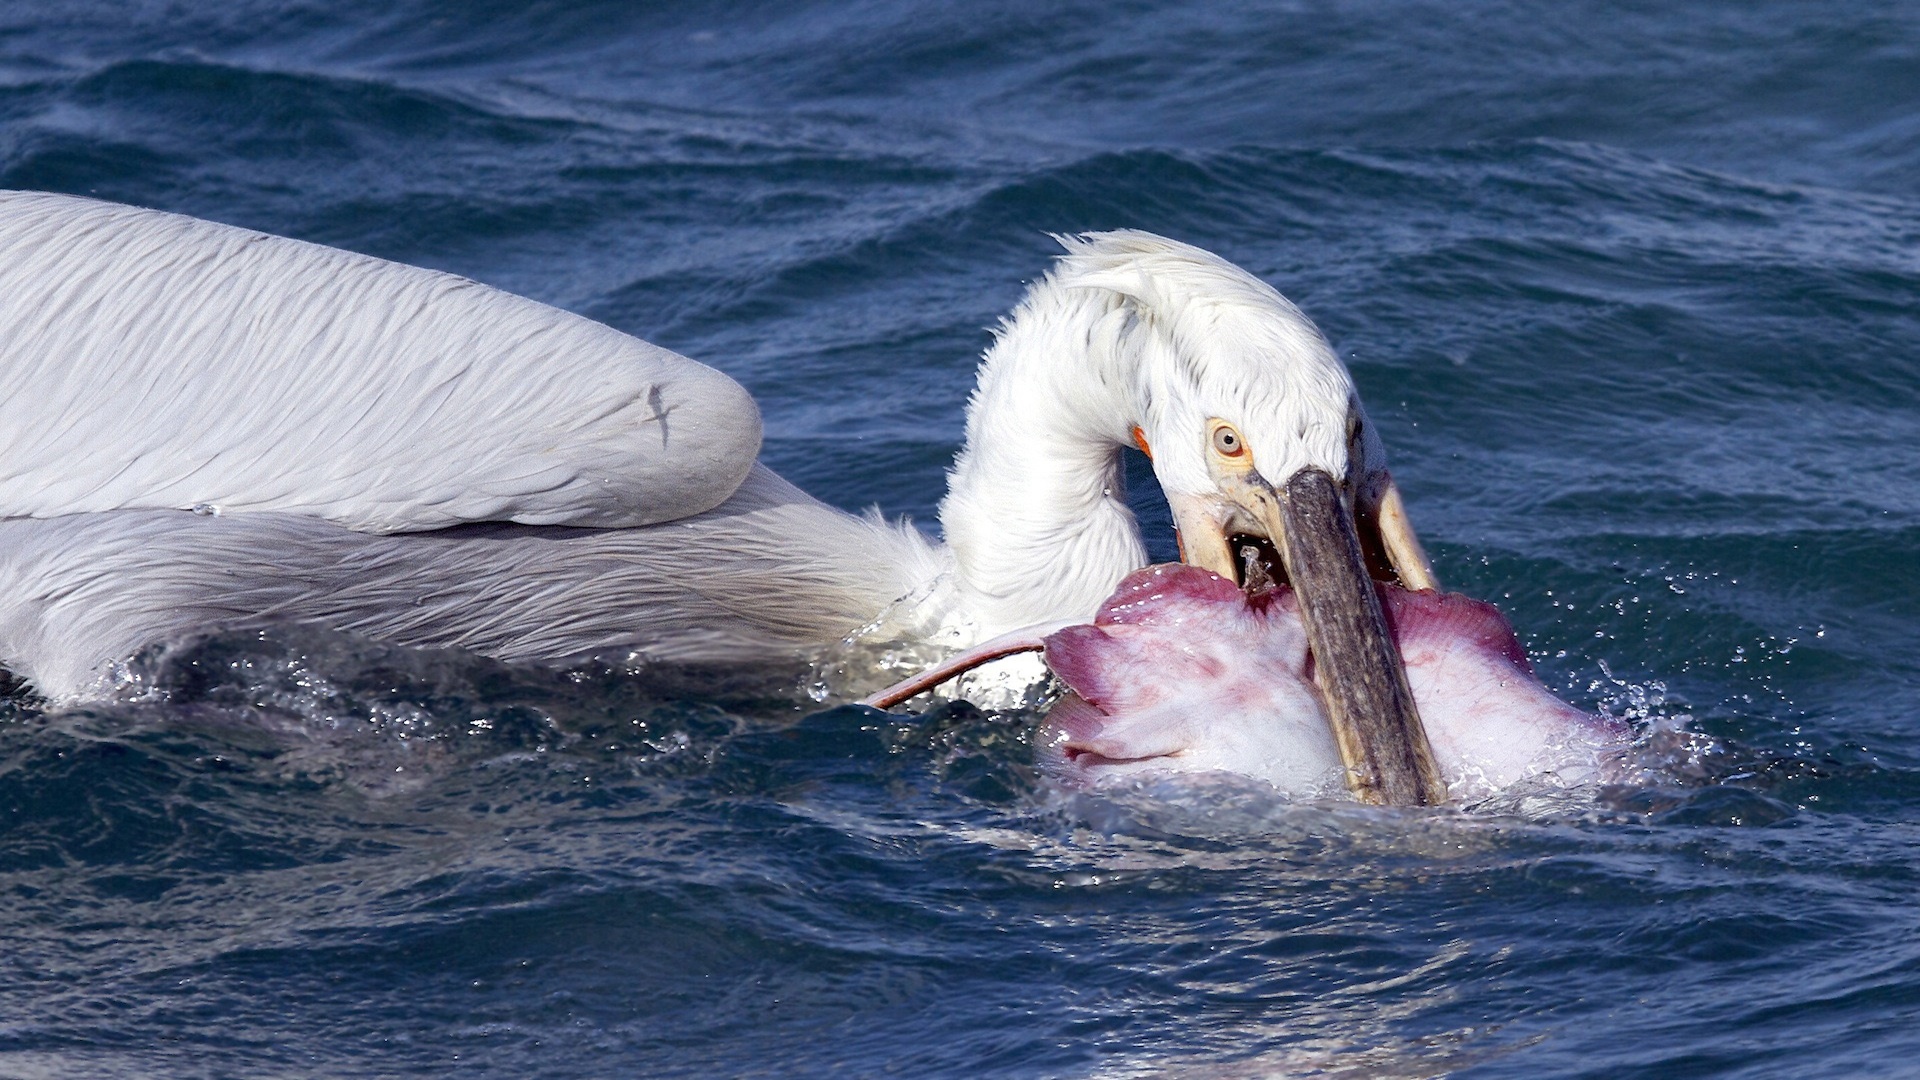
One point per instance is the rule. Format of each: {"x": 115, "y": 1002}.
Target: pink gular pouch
{"x": 1182, "y": 672}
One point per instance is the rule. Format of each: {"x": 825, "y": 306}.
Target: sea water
{"x": 1631, "y": 290}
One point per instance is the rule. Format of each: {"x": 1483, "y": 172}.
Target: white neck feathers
{"x": 1035, "y": 512}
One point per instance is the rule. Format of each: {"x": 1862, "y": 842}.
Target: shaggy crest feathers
{"x": 1220, "y": 342}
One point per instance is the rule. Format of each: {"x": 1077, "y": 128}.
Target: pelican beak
{"x": 1308, "y": 522}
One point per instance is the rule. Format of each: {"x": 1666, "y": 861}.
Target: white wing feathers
{"x": 154, "y": 361}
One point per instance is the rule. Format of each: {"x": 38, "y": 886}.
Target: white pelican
{"x": 208, "y": 427}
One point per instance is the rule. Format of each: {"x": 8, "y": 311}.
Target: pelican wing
{"x": 153, "y": 361}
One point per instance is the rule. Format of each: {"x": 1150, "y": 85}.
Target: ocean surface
{"x": 1632, "y": 290}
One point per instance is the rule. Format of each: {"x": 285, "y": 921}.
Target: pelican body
{"x": 209, "y": 427}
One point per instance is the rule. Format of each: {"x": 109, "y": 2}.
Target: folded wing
{"x": 154, "y": 361}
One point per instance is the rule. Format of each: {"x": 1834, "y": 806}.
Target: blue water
{"x": 1632, "y": 290}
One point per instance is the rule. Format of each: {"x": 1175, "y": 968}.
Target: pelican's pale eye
{"x": 1227, "y": 442}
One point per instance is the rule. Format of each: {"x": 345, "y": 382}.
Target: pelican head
{"x": 1258, "y": 440}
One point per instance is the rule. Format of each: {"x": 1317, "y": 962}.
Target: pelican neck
{"x": 1036, "y": 512}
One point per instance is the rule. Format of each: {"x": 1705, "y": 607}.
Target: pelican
{"x": 209, "y": 427}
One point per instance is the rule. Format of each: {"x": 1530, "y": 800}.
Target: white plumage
{"x": 768, "y": 573}
{"x": 394, "y": 451}
{"x": 160, "y": 362}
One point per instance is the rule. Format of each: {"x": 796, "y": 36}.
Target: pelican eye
{"x": 1227, "y": 442}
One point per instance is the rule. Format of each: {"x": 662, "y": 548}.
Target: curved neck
{"x": 1036, "y": 512}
